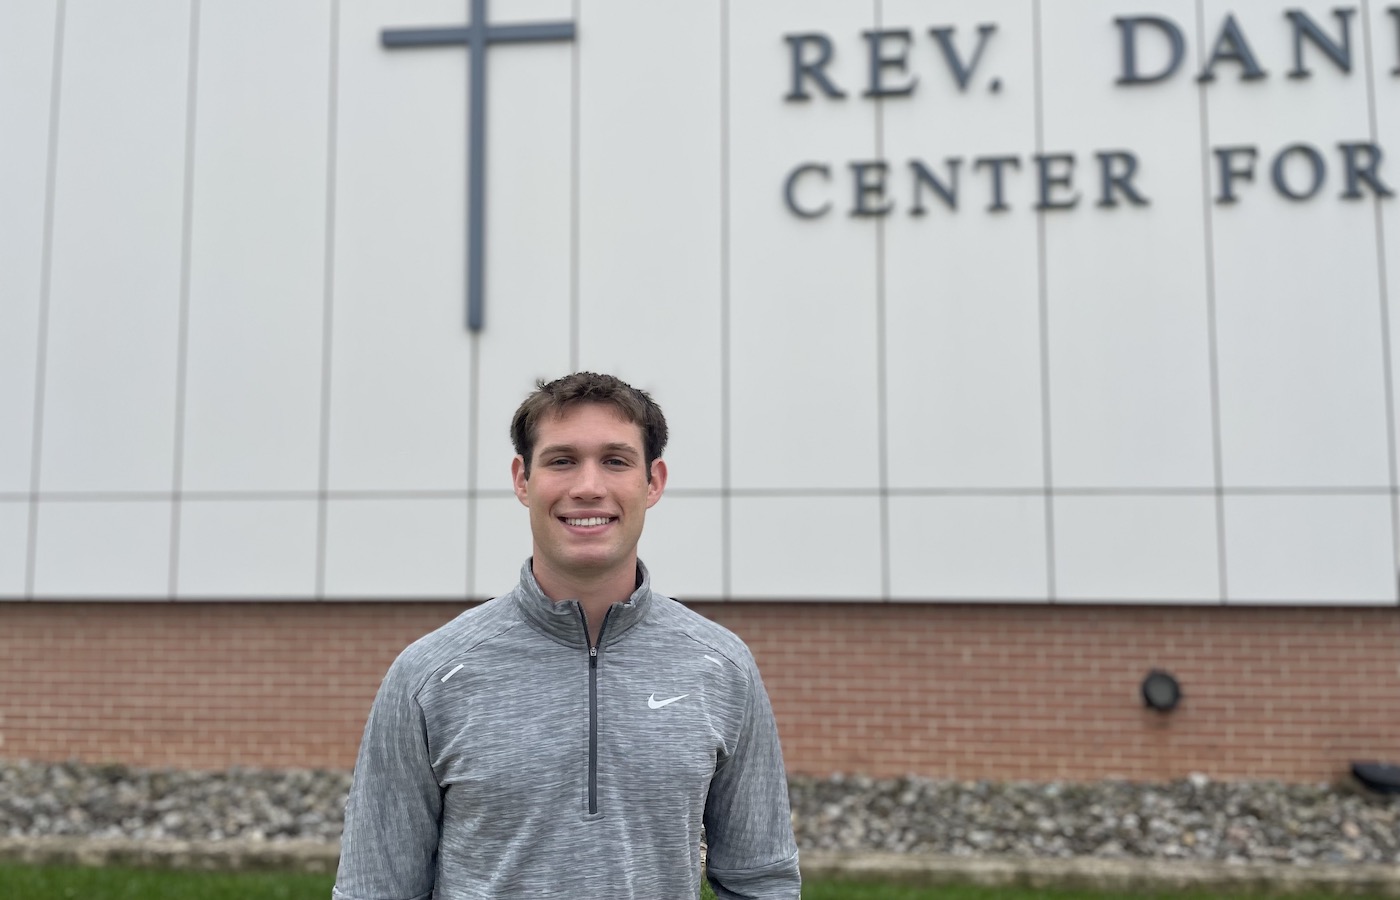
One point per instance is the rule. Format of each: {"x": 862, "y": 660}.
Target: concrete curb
{"x": 1126, "y": 876}
{"x": 202, "y": 856}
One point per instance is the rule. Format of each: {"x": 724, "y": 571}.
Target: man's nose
{"x": 589, "y": 482}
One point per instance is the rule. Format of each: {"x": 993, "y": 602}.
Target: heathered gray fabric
{"x": 473, "y": 775}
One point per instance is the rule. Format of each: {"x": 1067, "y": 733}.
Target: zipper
{"x": 593, "y": 709}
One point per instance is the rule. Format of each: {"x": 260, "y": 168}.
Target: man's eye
{"x": 562, "y": 461}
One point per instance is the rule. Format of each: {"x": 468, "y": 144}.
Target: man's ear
{"x": 657, "y": 484}
{"x": 517, "y": 477}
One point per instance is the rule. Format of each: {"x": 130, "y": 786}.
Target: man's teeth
{"x": 584, "y": 523}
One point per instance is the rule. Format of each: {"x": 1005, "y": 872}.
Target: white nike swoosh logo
{"x": 657, "y": 704}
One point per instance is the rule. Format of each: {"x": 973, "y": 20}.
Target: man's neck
{"x": 595, "y": 594}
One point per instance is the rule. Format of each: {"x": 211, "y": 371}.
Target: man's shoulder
{"x": 473, "y": 627}
{"x": 676, "y": 616}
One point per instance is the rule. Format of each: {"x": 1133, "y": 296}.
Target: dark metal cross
{"x": 476, "y": 36}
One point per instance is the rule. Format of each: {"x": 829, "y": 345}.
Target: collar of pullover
{"x": 561, "y": 621}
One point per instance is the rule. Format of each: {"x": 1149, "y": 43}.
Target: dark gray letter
{"x": 1315, "y": 161}
{"x": 1228, "y": 172}
{"x": 1042, "y": 164}
{"x": 1366, "y": 173}
{"x": 1303, "y": 27}
{"x": 879, "y": 62}
{"x": 995, "y": 163}
{"x": 1231, "y": 45}
{"x": 1395, "y": 11}
{"x": 814, "y": 68}
{"x": 865, "y": 188}
{"x": 924, "y": 176}
{"x": 962, "y": 73}
{"x": 791, "y": 184}
{"x": 1123, "y": 181}
{"x": 1127, "y": 26}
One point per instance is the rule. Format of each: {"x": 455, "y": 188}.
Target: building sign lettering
{"x": 1109, "y": 178}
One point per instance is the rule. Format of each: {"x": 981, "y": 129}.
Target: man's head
{"x": 588, "y": 470}
{"x": 554, "y": 398}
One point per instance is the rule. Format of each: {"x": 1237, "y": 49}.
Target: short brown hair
{"x": 635, "y": 406}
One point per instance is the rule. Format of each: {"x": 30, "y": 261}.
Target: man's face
{"x": 587, "y": 493}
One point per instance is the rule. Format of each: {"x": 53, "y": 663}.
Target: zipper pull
{"x": 593, "y": 657}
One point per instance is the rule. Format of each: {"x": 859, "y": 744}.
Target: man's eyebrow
{"x": 621, "y": 448}
{"x": 555, "y": 448}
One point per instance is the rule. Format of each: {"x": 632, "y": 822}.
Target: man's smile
{"x": 588, "y": 522}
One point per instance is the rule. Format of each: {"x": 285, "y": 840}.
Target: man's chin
{"x": 583, "y": 559}
{"x": 589, "y": 564}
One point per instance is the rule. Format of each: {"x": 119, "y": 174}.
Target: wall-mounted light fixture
{"x": 1383, "y": 778}
{"x": 1161, "y": 691}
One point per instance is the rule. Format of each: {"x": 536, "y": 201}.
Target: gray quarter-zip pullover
{"x": 504, "y": 758}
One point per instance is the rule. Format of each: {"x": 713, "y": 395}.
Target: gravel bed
{"x": 1192, "y": 819}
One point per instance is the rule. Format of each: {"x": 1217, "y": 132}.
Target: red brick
{"x": 943, "y": 690}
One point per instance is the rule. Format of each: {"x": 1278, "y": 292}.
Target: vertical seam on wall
{"x": 1043, "y": 299}
{"x": 473, "y": 456}
{"x": 725, "y": 475}
{"x": 36, "y": 445}
{"x": 1382, "y": 275}
{"x": 574, "y": 126}
{"x": 327, "y": 300}
{"x": 881, "y": 412}
{"x": 1212, "y": 338}
{"x": 177, "y": 478}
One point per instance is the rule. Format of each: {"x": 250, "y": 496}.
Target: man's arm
{"x": 390, "y": 843}
{"x": 748, "y": 826}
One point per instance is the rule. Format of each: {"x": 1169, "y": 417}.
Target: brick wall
{"x": 1034, "y": 692}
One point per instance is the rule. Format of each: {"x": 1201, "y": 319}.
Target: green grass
{"x": 67, "y": 883}
{"x": 846, "y": 891}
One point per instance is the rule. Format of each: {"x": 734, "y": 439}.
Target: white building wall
{"x": 233, "y": 360}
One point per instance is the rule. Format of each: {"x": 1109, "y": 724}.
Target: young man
{"x": 570, "y": 738}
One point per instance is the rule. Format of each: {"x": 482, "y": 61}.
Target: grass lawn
{"x": 65, "y": 883}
